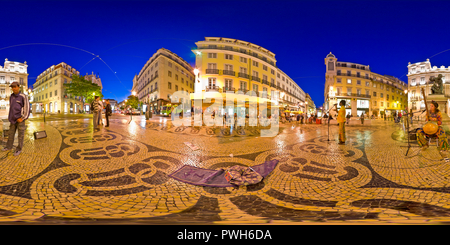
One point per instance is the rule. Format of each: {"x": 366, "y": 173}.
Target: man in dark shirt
{"x": 19, "y": 110}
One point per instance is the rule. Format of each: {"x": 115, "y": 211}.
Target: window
{"x": 382, "y": 103}
{"x": 176, "y": 77}
{"x": 349, "y": 91}
{"x": 255, "y": 87}
{"x": 358, "y": 82}
{"x": 349, "y": 73}
{"x": 367, "y": 92}
{"x": 243, "y": 85}
{"x": 255, "y": 63}
{"x": 375, "y": 103}
{"x": 228, "y": 67}
{"x": 212, "y": 55}
{"x": 374, "y": 85}
{"x": 367, "y": 83}
{"x": 243, "y": 60}
{"x": 265, "y": 67}
{"x": 50, "y": 94}
{"x": 339, "y": 80}
{"x": 170, "y": 85}
{"x": 228, "y": 83}
{"x": 212, "y": 82}
{"x": 358, "y": 92}
{"x": 228, "y": 56}
{"x": 422, "y": 80}
{"x": 176, "y": 87}
{"x": 387, "y": 104}
{"x": 170, "y": 74}
{"x": 255, "y": 73}
{"x": 349, "y": 81}
{"x": 243, "y": 70}
{"x": 272, "y": 71}
{"x": 381, "y": 95}
{"x": 182, "y": 80}
{"x": 56, "y": 81}
{"x": 56, "y": 92}
{"x": 374, "y": 94}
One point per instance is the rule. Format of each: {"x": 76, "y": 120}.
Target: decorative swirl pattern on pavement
{"x": 122, "y": 172}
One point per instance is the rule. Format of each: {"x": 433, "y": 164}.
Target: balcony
{"x": 212, "y": 71}
{"x": 265, "y": 82}
{"x": 353, "y": 95}
{"x": 230, "y": 73}
{"x": 255, "y": 78}
{"x": 212, "y": 88}
{"x": 273, "y": 85}
{"x": 243, "y": 75}
{"x": 243, "y": 90}
{"x": 225, "y": 89}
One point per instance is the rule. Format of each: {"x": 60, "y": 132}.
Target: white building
{"x": 11, "y": 72}
{"x": 419, "y": 75}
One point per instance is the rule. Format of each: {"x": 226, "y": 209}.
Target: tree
{"x": 132, "y": 101}
{"x": 82, "y": 87}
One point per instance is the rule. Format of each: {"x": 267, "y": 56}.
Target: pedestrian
{"x": 362, "y": 118}
{"x": 348, "y": 118}
{"x": 19, "y": 110}
{"x": 100, "y": 119}
{"x": 108, "y": 112}
{"x": 301, "y": 118}
{"x": 341, "y": 122}
{"x": 385, "y": 115}
{"x": 95, "y": 111}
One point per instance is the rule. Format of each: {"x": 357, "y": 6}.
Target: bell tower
{"x": 330, "y": 78}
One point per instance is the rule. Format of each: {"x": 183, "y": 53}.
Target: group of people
{"x": 97, "y": 111}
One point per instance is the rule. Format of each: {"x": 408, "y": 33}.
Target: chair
{"x": 432, "y": 138}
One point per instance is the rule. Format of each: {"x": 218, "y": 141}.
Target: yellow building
{"x": 364, "y": 91}
{"x": 162, "y": 75}
{"x": 227, "y": 64}
{"x": 49, "y": 93}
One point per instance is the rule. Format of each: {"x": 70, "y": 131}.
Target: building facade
{"x": 49, "y": 93}
{"x": 310, "y": 106}
{"x": 364, "y": 91}
{"x": 419, "y": 75}
{"x": 227, "y": 64}
{"x": 162, "y": 75}
{"x": 12, "y": 72}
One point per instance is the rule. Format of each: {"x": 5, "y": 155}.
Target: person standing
{"x": 19, "y": 110}
{"x": 362, "y": 118}
{"x": 298, "y": 118}
{"x": 341, "y": 122}
{"x": 95, "y": 111}
{"x": 108, "y": 112}
{"x": 100, "y": 119}
{"x": 348, "y": 118}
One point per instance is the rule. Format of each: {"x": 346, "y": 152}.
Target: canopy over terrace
{"x": 244, "y": 100}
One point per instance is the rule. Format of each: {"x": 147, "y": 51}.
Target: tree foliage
{"x": 82, "y": 87}
{"x": 132, "y": 101}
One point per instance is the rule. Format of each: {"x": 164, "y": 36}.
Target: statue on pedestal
{"x": 438, "y": 87}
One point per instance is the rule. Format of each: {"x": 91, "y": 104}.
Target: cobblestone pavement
{"x": 120, "y": 174}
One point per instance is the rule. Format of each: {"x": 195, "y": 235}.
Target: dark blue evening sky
{"x": 383, "y": 34}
